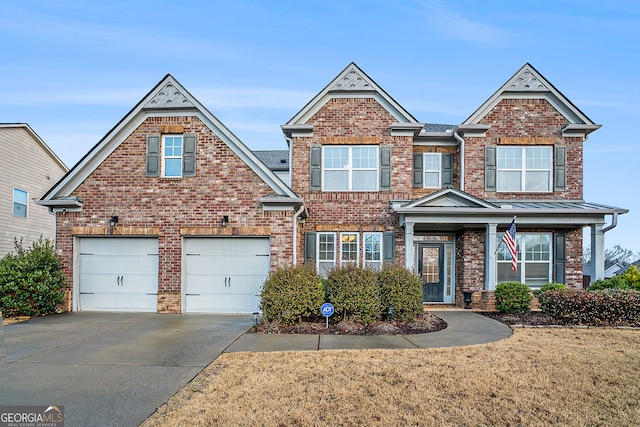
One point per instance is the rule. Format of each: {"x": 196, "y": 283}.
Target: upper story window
{"x": 172, "y": 155}
{"x": 524, "y": 169}
{"x": 350, "y": 168}
{"x": 432, "y": 170}
{"x": 20, "y": 201}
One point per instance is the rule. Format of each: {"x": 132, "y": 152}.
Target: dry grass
{"x": 567, "y": 377}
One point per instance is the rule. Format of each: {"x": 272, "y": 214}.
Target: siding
{"x": 29, "y": 166}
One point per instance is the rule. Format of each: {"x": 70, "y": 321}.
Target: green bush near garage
{"x": 355, "y": 293}
{"x": 400, "y": 293}
{"x": 31, "y": 280}
{"x": 291, "y": 294}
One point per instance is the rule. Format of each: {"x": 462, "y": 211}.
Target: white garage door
{"x": 118, "y": 274}
{"x": 225, "y": 274}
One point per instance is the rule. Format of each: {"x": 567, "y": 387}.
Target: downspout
{"x": 461, "y": 140}
{"x": 295, "y": 234}
{"x": 614, "y": 223}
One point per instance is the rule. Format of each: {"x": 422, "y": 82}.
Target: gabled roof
{"x": 168, "y": 97}
{"x": 352, "y": 82}
{"x": 276, "y": 160}
{"x": 450, "y": 198}
{"x": 527, "y": 82}
{"x": 39, "y": 140}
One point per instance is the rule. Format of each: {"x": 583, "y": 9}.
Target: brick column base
{"x": 169, "y": 302}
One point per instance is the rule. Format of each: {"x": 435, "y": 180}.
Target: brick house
{"x": 206, "y": 219}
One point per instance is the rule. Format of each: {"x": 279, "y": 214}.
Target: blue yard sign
{"x": 327, "y": 310}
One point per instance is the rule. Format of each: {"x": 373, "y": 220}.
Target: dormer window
{"x": 172, "y": 155}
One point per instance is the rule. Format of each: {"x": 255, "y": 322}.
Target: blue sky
{"x": 73, "y": 69}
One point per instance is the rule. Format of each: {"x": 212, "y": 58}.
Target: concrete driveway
{"x": 110, "y": 369}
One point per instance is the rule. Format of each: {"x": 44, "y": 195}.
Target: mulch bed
{"x": 532, "y": 318}
{"x": 425, "y": 323}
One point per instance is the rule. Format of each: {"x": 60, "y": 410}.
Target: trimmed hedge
{"x": 400, "y": 293}
{"x": 354, "y": 292}
{"x": 549, "y": 287}
{"x": 513, "y": 297}
{"x": 597, "y": 308}
{"x": 31, "y": 280}
{"x": 291, "y": 293}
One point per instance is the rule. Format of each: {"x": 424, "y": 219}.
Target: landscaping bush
{"x": 598, "y": 308}
{"x": 355, "y": 293}
{"x": 400, "y": 290}
{"x": 549, "y": 287}
{"x": 513, "y": 297}
{"x": 31, "y": 280}
{"x": 291, "y": 293}
{"x": 630, "y": 279}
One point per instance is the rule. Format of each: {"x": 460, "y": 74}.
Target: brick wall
{"x": 519, "y": 121}
{"x": 165, "y": 207}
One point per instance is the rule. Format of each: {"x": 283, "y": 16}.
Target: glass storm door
{"x": 431, "y": 271}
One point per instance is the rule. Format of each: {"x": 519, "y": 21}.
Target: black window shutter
{"x": 560, "y": 169}
{"x": 447, "y": 170}
{"x": 385, "y": 168}
{"x": 389, "y": 247}
{"x": 309, "y": 248}
{"x": 153, "y": 155}
{"x": 417, "y": 170}
{"x": 315, "y": 166}
{"x": 559, "y": 257}
{"x": 490, "y": 168}
{"x": 189, "y": 156}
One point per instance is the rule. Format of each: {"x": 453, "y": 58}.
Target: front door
{"x": 431, "y": 271}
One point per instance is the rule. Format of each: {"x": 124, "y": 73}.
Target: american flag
{"x": 509, "y": 239}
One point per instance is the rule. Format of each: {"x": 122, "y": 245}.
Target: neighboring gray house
{"x": 28, "y": 168}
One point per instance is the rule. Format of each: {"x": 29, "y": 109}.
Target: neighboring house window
{"x": 348, "y": 248}
{"x": 534, "y": 260}
{"x": 524, "y": 169}
{"x": 350, "y": 168}
{"x": 373, "y": 250}
{"x": 20, "y": 199}
{"x": 432, "y": 170}
{"x": 172, "y": 155}
{"x": 326, "y": 253}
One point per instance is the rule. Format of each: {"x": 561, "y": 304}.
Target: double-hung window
{"x": 534, "y": 260}
{"x": 350, "y": 168}
{"x": 372, "y": 249}
{"x": 172, "y": 155}
{"x": 432, "y": 170}
{"x": 326, "y": 252}
{"x": 349, "y": 248}
{"x": 524, "y": 169}
{"x": 20, "y": 201}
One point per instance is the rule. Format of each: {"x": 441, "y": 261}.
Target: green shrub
{"x": 355, "y": 293}
{"x": 599, "y": 308}
{"x": 400, "y": 290}
{"x": 291, "y": 293}
{"x": 630, "y": 279}
{"x": 513, "y": 297}
{"x": 31, "y": 280}
{"x": 550, "y": 287}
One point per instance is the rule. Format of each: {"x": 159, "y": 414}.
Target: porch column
{"x": 408, "y": 246}
{"x": 490, "y": 265}
{"x": 597, "y": 252}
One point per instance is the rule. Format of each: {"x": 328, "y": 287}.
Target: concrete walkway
{"x": 463, "y": 328}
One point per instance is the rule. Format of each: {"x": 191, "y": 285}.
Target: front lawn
{"x": 554, "y": 376}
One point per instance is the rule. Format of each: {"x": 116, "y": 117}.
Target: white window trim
{"x": 348, "y": 261}
{"x": 364, "y": 248}
{"x": 26, "y": 205}
{"x": 523, "y": 170}
{"x": 522, "y": 265}
{"x": 335, "y": 249}
{"x": 425, "y": 170}
{"x": 165, "y": 157}
{"x": 350, "y": 169}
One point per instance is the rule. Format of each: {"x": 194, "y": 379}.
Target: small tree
{"x": 31, "y": 280}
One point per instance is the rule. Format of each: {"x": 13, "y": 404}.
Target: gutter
{"x": 295, "y": 234}
{"x": 461, "y": 140}
{"x": 614, "y": 223}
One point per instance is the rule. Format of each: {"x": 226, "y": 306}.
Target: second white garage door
{"x": 225, "y": 274}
